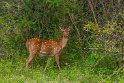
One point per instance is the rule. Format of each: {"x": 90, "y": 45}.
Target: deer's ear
{"x": 68, "y": 29}
{"x": 61, "y": 29}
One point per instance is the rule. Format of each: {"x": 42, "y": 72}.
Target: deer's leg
{"x": 57, "y": 60}
{"x": 48, "y": 61}
{"x": 29, "y": 59}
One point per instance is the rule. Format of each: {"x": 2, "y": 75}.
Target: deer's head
{"x": 65, "y": 31}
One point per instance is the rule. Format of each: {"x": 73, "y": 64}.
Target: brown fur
{"x": 46, "y": 47}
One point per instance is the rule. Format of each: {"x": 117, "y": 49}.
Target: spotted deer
{"x": 47, "y": 47}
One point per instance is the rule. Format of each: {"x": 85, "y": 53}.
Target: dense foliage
{"x": 95, "y": 44}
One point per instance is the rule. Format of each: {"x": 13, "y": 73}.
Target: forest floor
{"x": 14, "y": 71}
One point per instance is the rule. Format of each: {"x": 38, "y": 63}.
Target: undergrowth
{"x": 13, "y": 70}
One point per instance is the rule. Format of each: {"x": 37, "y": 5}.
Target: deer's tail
{"x": 27, "y": 44}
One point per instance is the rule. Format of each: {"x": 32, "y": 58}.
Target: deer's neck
{"x": 64, "y": 41}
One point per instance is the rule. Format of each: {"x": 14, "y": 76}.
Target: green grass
{"x": 80, "y": 71}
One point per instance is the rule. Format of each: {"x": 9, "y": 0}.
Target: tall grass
{"x": 12, "y": 70}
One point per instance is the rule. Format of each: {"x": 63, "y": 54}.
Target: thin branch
{"x": 79, "y": 35}
{"x": 92, "y": 9}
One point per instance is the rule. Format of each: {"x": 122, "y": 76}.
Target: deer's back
{"x": 43, "y": 46}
